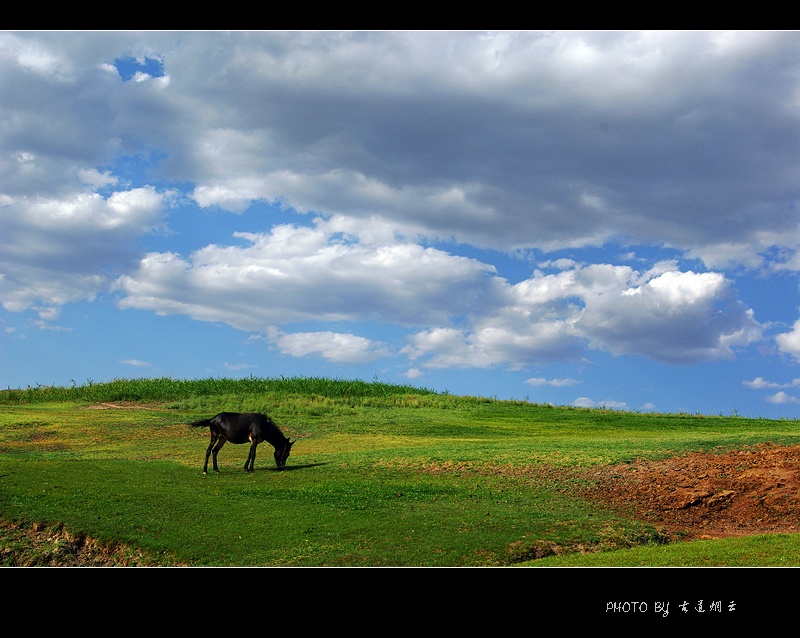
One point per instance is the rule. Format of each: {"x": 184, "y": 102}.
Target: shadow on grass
{"x": 290, "y": 468}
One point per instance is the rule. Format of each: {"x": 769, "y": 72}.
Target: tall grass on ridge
{"x": 168, "y": 389}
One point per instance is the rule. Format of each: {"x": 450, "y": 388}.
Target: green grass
{"x": 167, "y": 389}
{"x": 381, "y": 475}
{"x": 775, "y": 550}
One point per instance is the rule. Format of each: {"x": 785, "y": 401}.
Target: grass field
{"x": 381, "y": 475}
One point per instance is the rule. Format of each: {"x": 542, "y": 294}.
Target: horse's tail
{"x": 203, "y": 423}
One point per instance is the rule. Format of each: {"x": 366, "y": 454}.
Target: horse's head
{"x": 282, "y": 453}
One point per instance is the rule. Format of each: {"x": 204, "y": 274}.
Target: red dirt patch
{"x": 755, "y": 490}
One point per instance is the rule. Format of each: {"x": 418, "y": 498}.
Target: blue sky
{"x": 601, "y": 218}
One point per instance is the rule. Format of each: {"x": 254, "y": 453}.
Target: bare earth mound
{"x": 706, "y": 495}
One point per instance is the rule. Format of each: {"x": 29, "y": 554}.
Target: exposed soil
{"x": 123, "y": 405}
{"x": 705, "y": 495}
{"x": 37, "y": 545}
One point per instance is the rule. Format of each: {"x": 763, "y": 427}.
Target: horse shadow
{"x": 290, "y": 468}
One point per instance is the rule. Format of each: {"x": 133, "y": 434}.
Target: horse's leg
{"x": 216, "y": 450}
{"x": 251, "y": 457}
{"x": 208, "y": 453}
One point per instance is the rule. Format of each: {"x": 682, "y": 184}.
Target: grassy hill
{"x": 381, "y": 475}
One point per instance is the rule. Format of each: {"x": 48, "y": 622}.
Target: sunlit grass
{"x": 380, "y": 475}
{"x": 168, "y": 389}
{"x": 773, "y": 550}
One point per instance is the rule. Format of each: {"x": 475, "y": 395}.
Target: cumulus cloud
{"x": 504, "y": 139}
{"x": 238, "y": 367}
{"x": 759, "y": 383}
{"x": 137, "y": 363}
{"x": 479, "y": 319}
{"x": 374, "y": 122}
{"x": 586, "y": 402}
{"x": 492, "y": 344}
{"x": 333, "y": 346}
{"x": 97, "y": 179}
{"x": 789, "y": 342}
{"x": 309, "y": 273}
{"x": 56, "y": 251}
{"x": 778, "y": 398}
{"x": 542, "y": 163}
{"x": 782, "y": 397}
{"x": 676, "y": 317}
{"x": 558, "y": 383}
{"x": 397, "y": 150}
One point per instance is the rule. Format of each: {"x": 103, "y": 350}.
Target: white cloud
{"x": 34, "y": 56}
{"x": 558, "y": 383}
{"x": 464, "y": 314}
{"x": 678, "y": 317}
{"x": 238, "y": 367}
{"x": 137, "y": 363}
{"x": 789, "y": 342}
{"x": 538, "y": 82}
{"x": 782, "y": 397}
{"x": 529, "y": 141}
{"x": 490, "y": 345}
{"x": 499, "y": 139}
{"x": 333, "y": 346}
{"x": 448, "y": 347}
{"x": 56, "y": 251}
{"x": 586, "y": 402}
{"x": 97, "y": 179}
{"x": 759, "y": 383}
{"x": 295, "y": 273}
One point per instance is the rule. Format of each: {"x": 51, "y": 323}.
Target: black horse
{"x": 241, "y": 428}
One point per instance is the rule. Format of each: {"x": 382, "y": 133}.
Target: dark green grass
{"x": 168, "y": 389}
{"x": 328, "y": 514}
{"x": 381, "y": 475}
